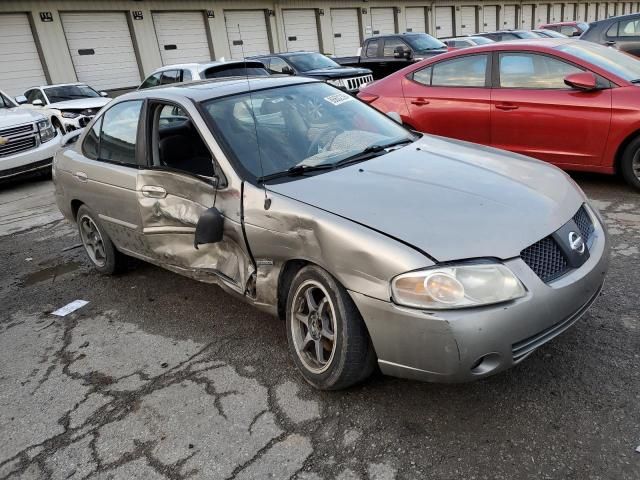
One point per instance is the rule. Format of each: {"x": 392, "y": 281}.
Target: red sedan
{"x": 575, "y": 104}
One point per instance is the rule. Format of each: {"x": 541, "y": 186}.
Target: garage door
{"x": 602, "y": 11}
{"x": 182, "y": 37}
{"x": 383, "y": 21}
{"x": 509, "y": 20}
{"x": 444, "y": 22}
{"x": 611, "y": 9}
{"x": 20, "y": 65}
{"x": 416, "y": 19}
{"x": 592, "y": 12}
{"x": 556, "y": 12}
{"x": 346, "y": 31}
{"x": 301, "y": 30}
{"x": 467, "y": 21}
{"x": 542, "y": 14}
{"x": 101, "y": 49}
{"x": 246, "y": 32}
{"x": 526, "y": 16}
{"x": 489, "y": 18}
{"x": 582, "y": 12}
{"x": 569, "y": 12}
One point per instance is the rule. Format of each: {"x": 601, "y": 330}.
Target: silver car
{"x": 429, "y": 258}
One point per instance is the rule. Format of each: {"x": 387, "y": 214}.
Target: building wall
{"x": 59, "y": 67}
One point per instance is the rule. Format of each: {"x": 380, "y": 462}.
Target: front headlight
{"x": 457, "y": 286}
{"x": 46, "y": 130}
{"x": 70, "y": 114}
{"x": 336, "y": 83}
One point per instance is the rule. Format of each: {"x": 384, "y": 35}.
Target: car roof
{"x": 202, "y": 90}
{"x": 533, "y": 44}
{"x": 573, "y": 22}
{"x": 196, "y": 66}
{"x": 628, "y": 16}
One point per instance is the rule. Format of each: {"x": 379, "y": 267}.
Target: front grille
{"x": 584, "y": 223}
{"x": 546, "y": 259}
{"x": 18, "y": 139}
{"x": 17, "y": 131}
{"x": 17, "y": 146}
{"x": 357, "y": 82}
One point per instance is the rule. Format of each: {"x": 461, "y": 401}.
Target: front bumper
{"x": 30, "y": 161}
{"x": 468, "y": 344}
{"x": 71, "y": 124}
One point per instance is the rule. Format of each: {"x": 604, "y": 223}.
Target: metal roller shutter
{"x": 444, "y": 22}
{"x": 301, "y": 30}
{"x": 602, "y": 11}
{"x": 509, "y": 20}
{"x": 246, "y": 32}
{"x": 101, "y": 49}
{"x": 383, "y": 21}
{"x": 346, "y": 31}
{"x": 415, "y": 19}
{"x": 182, "y": 37}
{"x": 526, "y": 16}
{"x": 542, "y": 14}
{"x": 556, "y": 12}
{"x": 489, "y": 18}
{"x": 20, "y": 65}
{"x": 467, "y": 21}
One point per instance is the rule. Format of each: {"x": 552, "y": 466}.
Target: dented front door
{"x": 170, "y": 205}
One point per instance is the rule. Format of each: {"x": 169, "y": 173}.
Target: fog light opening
{"x": 486, "y": 364}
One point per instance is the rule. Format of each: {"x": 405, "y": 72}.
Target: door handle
{"x": 420, "y": 101}
{"x": 506, "y": 107}
{"x": 81, "y": 176}
{"x": 152, "y": 191}
{"x": 610, "y": 43}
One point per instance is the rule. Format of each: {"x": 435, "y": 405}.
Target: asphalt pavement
{"x": 159, "y": 376}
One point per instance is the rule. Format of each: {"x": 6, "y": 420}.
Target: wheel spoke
{"x": 311, "y": 302}
{"x": 320, "y": 352}
{"x": 303, "y": 319}
{"x": 321, "y": 306}
{"x": 327, "y": 334}
{"x": 86, "y": 227}
{"x": 99, "y": 250}
{"x": 306, "y": 342}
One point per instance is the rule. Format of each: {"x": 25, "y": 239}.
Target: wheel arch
{"x": 287, "y": 273}
{"x": 617, "y": 160}
{"x": 75, "y": 206}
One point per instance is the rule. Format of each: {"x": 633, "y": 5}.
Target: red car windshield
{"x": 621, "y": 64}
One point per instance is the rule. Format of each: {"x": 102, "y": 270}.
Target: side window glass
{"x": 423, "y": 76}
{"x": 152, "y": 81}
{"x": 372, "y": 49}
{"x": 567, "y": 30}
{"x": 35, "y": 94}
{"x": 629, "y": 28}
{"x": 277, "y": 65}
{"x": 119, "y": 132}
{"x": 179, "y": 145}
{"x": 91, "y": 145}
{"x": 469, "y": 71}
{"x": 390, "y": 45}
{"x": 186, "y": 76}
{"x": 524, "y": 70}
{"x": 613, "y": 30}
{"x": 169, "y": 77}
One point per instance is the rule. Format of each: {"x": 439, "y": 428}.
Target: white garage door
{"x": 611, "y": 9}
{"x": 182, "y": 37}
{"x": 415, "y": 19}
{"x": 542, "y": 14}
{"x": 20, "y": 65}
{"x": 582, "y": 12}
{"x": 569, "y": 12}
{"x": 101, "y": 49}
{"x": 556, "y": 12}
{"x": 301, "y": 30}
{"x": 602, "y": 11}
{"x": 383, "y": 21}
{"x": 489, "y": 19}
{"x": 526, "y": 16}
{"x": 346, "y": 31}
{"x": 509, "y": 20}
{"x": 592, "y": 12}
{"x": 444, "y": 22}
{"x": 467, "y": 21}
{"x": 246, "y": 32}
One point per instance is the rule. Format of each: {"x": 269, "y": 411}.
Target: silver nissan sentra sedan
{"x": 431, "y": 258}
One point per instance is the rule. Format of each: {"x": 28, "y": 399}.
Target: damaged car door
{"x": 177, "y": 192}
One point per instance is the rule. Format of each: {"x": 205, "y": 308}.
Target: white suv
{"x": 28, "y": 141}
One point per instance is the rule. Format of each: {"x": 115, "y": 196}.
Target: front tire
{"x": 328, "y": 339}
{"x": 630, "y": 163}
{"x": 97, "y": 245}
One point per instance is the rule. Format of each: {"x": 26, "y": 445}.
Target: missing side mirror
{"x": 210, "y": 228}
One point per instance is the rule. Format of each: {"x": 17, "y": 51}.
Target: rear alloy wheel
{"x": 97, "y": 244}
{"x": 327, "y": 337}
{"x": 630, "y": 163}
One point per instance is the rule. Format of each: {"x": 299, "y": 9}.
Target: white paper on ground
{"x": 69, "y": 307}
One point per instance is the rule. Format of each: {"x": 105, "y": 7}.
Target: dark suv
{"x": 621, "y": 32}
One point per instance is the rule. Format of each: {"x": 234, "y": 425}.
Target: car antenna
{"x": 267, "y": 200}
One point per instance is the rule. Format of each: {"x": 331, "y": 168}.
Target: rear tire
{"x": 328, "y": 339}
{"x": 102, "y": 254}
{"x": 630, "y": 163}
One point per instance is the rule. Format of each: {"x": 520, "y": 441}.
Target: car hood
{"x": 453, "y": 200}
{"x": 10, "y": 117}
{"x": 81, "y": 103}
{"x": 337, "y": 72}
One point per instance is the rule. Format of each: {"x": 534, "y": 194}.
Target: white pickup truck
{"x": 28, "y": 141}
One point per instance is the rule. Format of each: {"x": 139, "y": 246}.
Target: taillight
{"x": 367, "y": 97}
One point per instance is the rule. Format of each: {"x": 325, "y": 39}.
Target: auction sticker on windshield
{"x": 338, "y": 98}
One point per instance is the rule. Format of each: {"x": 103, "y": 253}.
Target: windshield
{"x": 70, "y": 92}
{"x": 481, "y": 40}
{"x": 526, "y": 34}
{"x": 621, "y": 64}
{"x": 423, "y": 42}
{"x": 311, "y": 61}
{"x": 310, "y": 125}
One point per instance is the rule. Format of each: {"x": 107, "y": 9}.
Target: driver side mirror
{"x": 104, "y": 94}
{"x": 585, "y": 81}
{"x": 37, "y": 103}
{"x": 209, "y": 228}
{"x": 401, "y": 52}
{"x": 20, "y": 99}
{"x": 288, "y": 71}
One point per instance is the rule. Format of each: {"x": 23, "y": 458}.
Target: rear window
{"x": 235, "y": 70}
